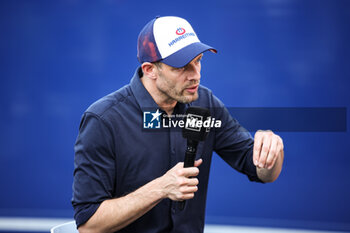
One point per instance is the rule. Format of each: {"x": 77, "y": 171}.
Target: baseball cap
{"x": 171, "y": 40}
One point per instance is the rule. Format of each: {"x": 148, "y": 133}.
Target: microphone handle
{"x": 190, "y": 156}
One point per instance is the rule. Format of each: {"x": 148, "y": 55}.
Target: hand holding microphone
{"x": 194, "y": 131}
{"x": 180, "y": 182}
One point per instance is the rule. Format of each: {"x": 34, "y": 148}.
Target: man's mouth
{"x": 192, "y": 89}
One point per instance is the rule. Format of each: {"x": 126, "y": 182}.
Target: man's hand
{"x": 176, "y": 184}
{"x": 268, "y": 155}
{"x": 179, "y": 183}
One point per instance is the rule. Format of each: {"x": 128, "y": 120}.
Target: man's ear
{"x": 149, "y": 70}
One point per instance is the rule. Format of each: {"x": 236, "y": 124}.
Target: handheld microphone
{"x": 197, "y": 127}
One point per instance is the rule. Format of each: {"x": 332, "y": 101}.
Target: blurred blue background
{"x": 58, "y": 57}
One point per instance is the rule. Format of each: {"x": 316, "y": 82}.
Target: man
{"x": 130, "y": 179}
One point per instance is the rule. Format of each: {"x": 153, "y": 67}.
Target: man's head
{"x": 170, "y": 53}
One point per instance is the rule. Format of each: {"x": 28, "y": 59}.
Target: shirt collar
{"x": 144, "y": 99}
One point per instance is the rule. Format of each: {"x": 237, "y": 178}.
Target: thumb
{"x": 198, "y": 162}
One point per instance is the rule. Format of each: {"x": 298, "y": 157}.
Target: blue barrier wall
{"x": 57, "y": 57}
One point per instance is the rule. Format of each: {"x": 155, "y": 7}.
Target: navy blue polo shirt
{"x": 115, "y": 155}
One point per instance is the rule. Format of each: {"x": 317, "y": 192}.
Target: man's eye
{"x": 179, "y": 69}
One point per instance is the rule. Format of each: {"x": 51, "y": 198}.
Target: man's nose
{"x": 193, "y": 71}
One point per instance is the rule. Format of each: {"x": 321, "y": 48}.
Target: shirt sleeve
{"x": 233, "y": 143}
{"x": 94, "y": 167}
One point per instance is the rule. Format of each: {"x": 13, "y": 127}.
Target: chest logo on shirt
{"x": 151, "y": 120}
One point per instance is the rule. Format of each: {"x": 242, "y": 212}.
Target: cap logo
{"x": 180, "y": 31}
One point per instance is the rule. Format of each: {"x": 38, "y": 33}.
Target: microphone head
{"x": 197, "y": 123}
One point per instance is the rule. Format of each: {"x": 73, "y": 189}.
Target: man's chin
{"x": 189, "y": 98}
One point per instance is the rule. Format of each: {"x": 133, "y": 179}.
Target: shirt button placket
{"x": 173, "y": 160}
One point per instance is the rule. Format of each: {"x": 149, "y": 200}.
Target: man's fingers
{"x": 278, "y": 149}
{"x": 272, "y": 153}
{"x": 193, "y": 182}
{"x": 186, "y": 196}
{"x": 258, "y": 139}
{"x": 267, "y": 147}
{"x": 264, "y": 151}
{"x": 188, "y": 171}
{"x": 181, "y": 183}
{"x": 188, "y": 189}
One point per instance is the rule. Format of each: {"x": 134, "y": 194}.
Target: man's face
{"x": 180, "y": 84}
